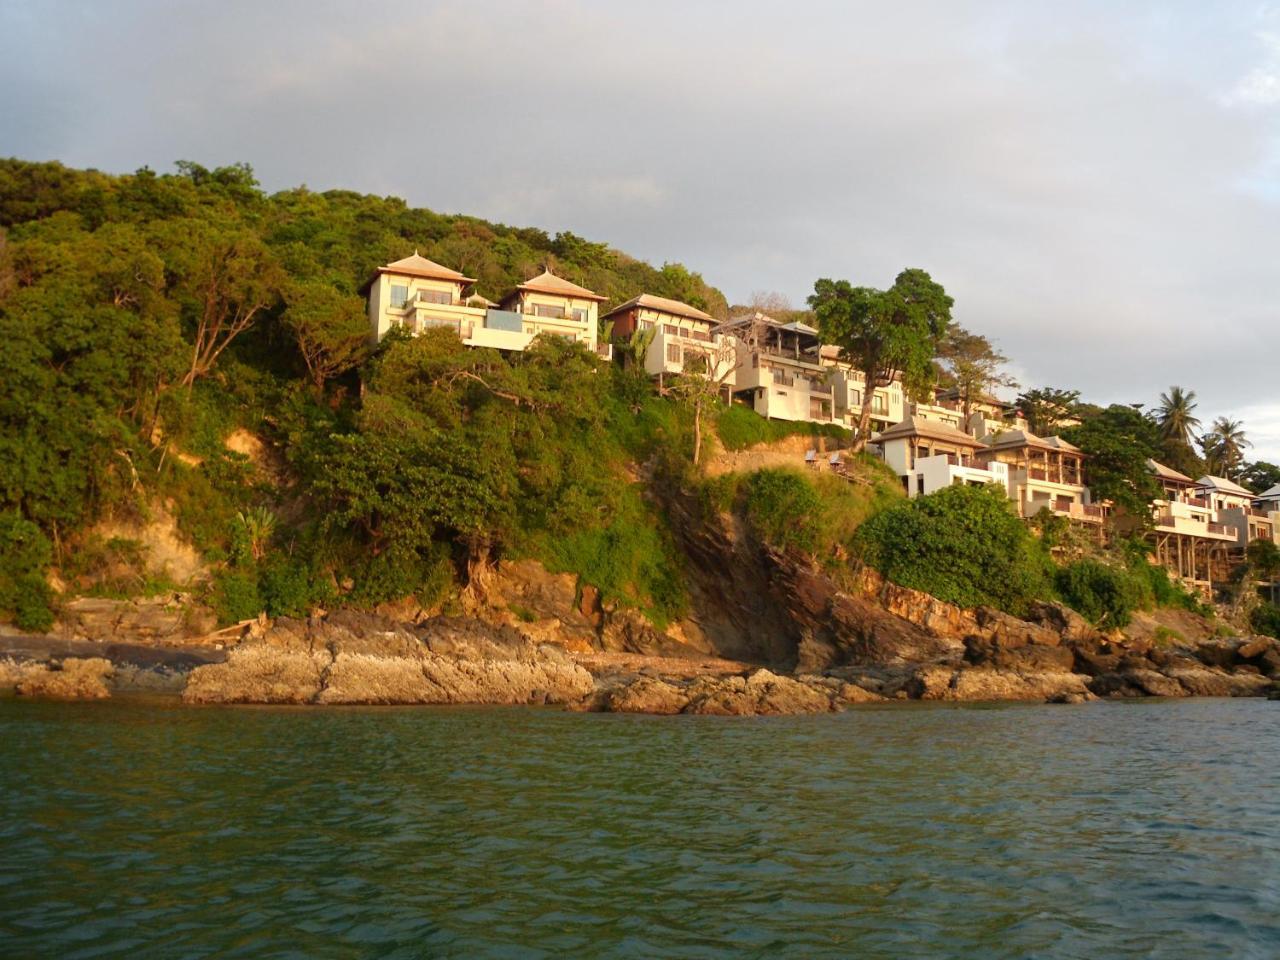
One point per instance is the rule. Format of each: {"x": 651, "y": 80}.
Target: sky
{"x": 1097, "y": 184}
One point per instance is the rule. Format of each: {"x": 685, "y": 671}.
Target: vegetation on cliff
{"x": 186, "y": 346}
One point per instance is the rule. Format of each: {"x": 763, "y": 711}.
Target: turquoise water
{"x": 1147, "y": 829}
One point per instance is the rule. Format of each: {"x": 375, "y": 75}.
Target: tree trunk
{"x": 697, "y": 432}
{"x": 864, "y": 420}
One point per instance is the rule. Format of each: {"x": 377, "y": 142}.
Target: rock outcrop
{"x": 352, "y": 658}
{"x": 74, "y": 678}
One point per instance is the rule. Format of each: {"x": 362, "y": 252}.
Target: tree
{"x": 973, "y": 365}
{"x": 1176, "y": 417}
{"x": 962, "y": 544}
{"x": 1260, "y": 476}
{"x": 1046, "y": 408}
{"x": 885, "y": 334}
{"x": 1223, "y": 446}
{"x": 226, "y": 279}
{"x": 330, "y": 329}
{"x": 1118, "y": 442}
{"x": 701, "y": 383}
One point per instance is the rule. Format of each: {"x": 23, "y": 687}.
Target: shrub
{"x": 1265, "y": 619}
{"x": 25, "y": 554}
{"x": 1103, "y": 594}
{"x": 963, "y": 545}
{"x": 783, "y": 507}
{"x": 235, "y": 596}
{"x": 740, "y": 427}
{"x": 291, "y": 588}
{"x": 398, "y": 573}
{"x": 1165, "y": 635}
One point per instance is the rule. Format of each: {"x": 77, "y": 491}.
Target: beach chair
{"x": 811, "y": 459}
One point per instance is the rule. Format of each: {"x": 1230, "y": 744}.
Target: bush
{"x": 783, "y": 507}
{"x": 398, "y": 573}
{"x": 1105, "y": 595}
{"x": 963, "y": 545}
{"x": 25, "y": 554}
{"x": 1266, "y": 619}
{"x": 290, "y": 588}
{"x": 740, "y": 427}
{"x": 235, "y": 596}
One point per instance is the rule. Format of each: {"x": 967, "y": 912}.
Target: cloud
{"x": 1098, "y": 186}
{"x": 1261, "y": 85}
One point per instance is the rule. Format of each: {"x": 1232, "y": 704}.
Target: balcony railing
{"x": 1219, "y": 528}
{"x": 1197, "y": 502}
{"x": 1053, "y": 476}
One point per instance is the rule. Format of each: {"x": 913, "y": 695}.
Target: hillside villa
{"x": 849, "y": 388}
{"x": 780, "y": 374}
{"x": 1189, "y": 538}
{"x": 418, "y": 294}
{"x": 681, "y": 333}
{"x": 929, "y": 456}
{"x": 1045, "y": 473}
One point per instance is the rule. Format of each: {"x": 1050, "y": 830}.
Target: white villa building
{"x": 418, "y": 294}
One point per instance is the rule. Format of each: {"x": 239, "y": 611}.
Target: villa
{"x": 1190, "y": 539}
{"x": 928, "y": 456}
{"x": 849, "y": 388}
{"x": 418, "y": 294}
{"x": 1236, "y": 508}
{"x": 681, "y": 333}
{"x": 1045, "y": 473}
{"x": 780, "y": 374}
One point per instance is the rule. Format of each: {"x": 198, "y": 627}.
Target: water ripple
{"x": 1112, "y": 830}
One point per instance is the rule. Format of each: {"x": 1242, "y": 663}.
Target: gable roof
{"x": 1223, "y": 485}
{"x": 548, "y": 282}
{"x": 661, "y": 304}
{"x": 1272, "y": 494}
{"x": 1167, "y": 473}
{"x": 1013, "y": 439}
{"x": 419, "y": 266}
{"x": 914, "y": 426}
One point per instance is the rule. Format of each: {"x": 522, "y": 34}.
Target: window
{"x": 673, "y": 353}
{"x": 399, "y": 294}
{"x": 580, "y": 315}
{"x": 547, "y": 310}
{"x": 434, "y": 296}
{"x": 855, "y": 398}
{"x": 878, "y": 404}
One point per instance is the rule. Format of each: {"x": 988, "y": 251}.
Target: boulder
{"x": 647, "y": 695}
{"x": 978, "y": 684}
{"x": 71, "y": 679}
{"x": 258, "y": 673}
{"x": 1154, "y": 684}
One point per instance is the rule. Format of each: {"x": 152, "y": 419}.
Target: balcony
{"x": 1067, "y": 478}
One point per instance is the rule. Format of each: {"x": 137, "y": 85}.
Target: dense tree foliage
{"x": 1118, "y": 441}
{"x": 147, "y": 316}
{"x": 962, "y": 544}
{"x": 886, "y": 334}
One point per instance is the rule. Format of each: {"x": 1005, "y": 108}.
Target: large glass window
{"x": 580, "y": 315}
{"x": 399, "y": 294}
{"x": 434, "y": 296}
{"x": 547, "y": 310}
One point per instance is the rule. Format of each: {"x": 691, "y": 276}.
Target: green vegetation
{"x": 149, "y": 320}
{"x": 887, "y": 334}
{"x": 1265, "y": 619}
{"x": 962, "y": 544}
{"x": 740, "y": 427}
{"x": 147, "y": 317}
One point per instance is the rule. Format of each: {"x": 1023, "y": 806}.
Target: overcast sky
{"x": 1097, "y": 184}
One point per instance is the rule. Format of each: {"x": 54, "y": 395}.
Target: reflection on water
{"x": 1109, "y": 830}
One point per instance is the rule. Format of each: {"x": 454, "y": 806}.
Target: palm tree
{"x": 1224, "y": 447}
{"x": 1176, "y": 417}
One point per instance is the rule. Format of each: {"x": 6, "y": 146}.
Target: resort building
{"x": 418, "y": 294}
{"x": 928, "y": 456}
{"x": 780, "y": 374}
{"x": 552, "y": 305}
{"x": 1045, "y": 473}
{"x": 1189, "y": 538}
{"x": 1237, "y": 509}
{"x": 849, "y": 392}
{"x": 987, "y": 414}
{"x": 681, "y": 333}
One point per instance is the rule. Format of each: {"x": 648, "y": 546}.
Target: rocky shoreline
{"x": 358, "y": 658}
